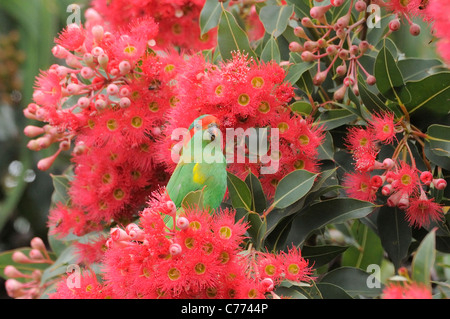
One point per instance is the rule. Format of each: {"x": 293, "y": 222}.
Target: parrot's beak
{"x": 213, "y": 131}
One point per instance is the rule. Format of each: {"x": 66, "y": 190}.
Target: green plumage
{"x": 201, "y": 166}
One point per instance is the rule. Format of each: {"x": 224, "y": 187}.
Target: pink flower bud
{"x": 135, "y": 232}
{"x": 124, "y": 91}
{"x": 100, "y": 104}
{"x": 124, "y": 102}
{"x": 89, "y": 60}
{"x": 73, "y": 88}
{"x": 97, "y": 51}
{"x": 388, "y": 163}
{"x": 343, "y": 21}
{"x": 310, "y": 45}
{"x": 349, "y": 81}
{"x": 332, "y": 49}
{"x": 295, "y": 47}
{"x": 45, "y": 163}
{"x": 319, "y": 11}
{"x": 414, "y": 29}
{"x": 371, "y": 80}
{"x": 439, "y": 183}
{"x": 355, "y": 89}
{"x": 171, "y": 207}
{"x": 267, "y": 284}
{"x": 79, "y": 148}
{"x": 360, "y": 6}
{"x": 118, "y": 234}
{"x": 175, "y": 249}
{"x": 306, "y": 22}
{"x": 86, "y": 72}
{"x": 13, "y": 288}
{"x": 112, "y": 89}
{"x": 12, "y": 272}
{"x": 59, "y": 52}
{"x": 341, "y": 70}
{"x": 300, "y": 32}
{"x": 337, "y": 3}
{"x": 182, "y": 223}
{"x": 394, "y": 25}
{"x": 35, "y": 254}
{"x": 392, "y": 201}
{"x": 339, "y": 94}
{"x": 83, "y": 102}
{"x": 72, "y": 61}
{"x": 98, "y": 32}
{"x": 103, "y": 60}
{"x": 426, "y": 177}
{"x": 64, "y": 145}
{"x": 377, "y": 180}
{"x": 37, "y": 243}
{"x": 124, "y": 67}
{"x": 386, "y": 190}
{"x": 319, "y": 78}
{"x": 33, "y": 131}
{"x": 20, "y": 257}
{"x": 344, "y": 54}
{"x": 307, "y": 56}
{"x": 403, "y": 202}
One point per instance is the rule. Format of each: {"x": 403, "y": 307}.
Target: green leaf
{"x": 6, "y": 259}
{"x": 389, "y": 78}
{"x": 275, "y": 18}
{"x": 257, "y": 230}
{"x": 367, "y": 249}
{"x": 333, "y": 118}
{"x": 59, "y": 267}
{"x": 239, "y": 192}
{"x": 414, "y": 69}
{"x": 301, "y": 7}
{"x": 61, "y": 186}
{"x": 210, "y": 15}
{"x": 370, "y": 100}
{"x": 442, "y": 161}
{"x": 321, "y": 255}
{"x": 326, "y": 149}
{"x": 395, "y": 233}
{"x": 439, "y": 137}
{"x": 353, "y": 281}
{"x": 231, "y": 37}
{"x": 301, "y": 107}
{"x": 316, "y": 216}
{"x": 295, "y": 71}
{"x": 259, "y": 203}
{"x": 424, "y": 258}
{"x": 193, "y": 199}
{"x": 332, "y": 291}
{"x": 292, "y": 187}
{"x": 430, "y": 96}
{"x": 271, "y": 52}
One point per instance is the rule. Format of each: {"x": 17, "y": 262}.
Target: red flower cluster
{"x": 400, "y": 182}
{"x": 198, "y": 257}
{"x": 178, "y": 20}
{"x": 110, "y": 99}
{"x": 406, "y": 291}
{"x": 243, "y": 94}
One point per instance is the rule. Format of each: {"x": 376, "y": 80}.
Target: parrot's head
{"x": 210, "y": 126}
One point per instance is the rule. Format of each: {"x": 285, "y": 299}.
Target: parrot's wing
{"x": 181, "y": 182}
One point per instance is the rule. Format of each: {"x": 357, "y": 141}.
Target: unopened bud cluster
{"x": 27, "y": 284}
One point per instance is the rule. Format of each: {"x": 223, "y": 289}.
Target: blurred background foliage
{"x": 27, "y": 31}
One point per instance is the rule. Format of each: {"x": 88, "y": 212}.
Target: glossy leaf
{"x": 271, "y": 52}
{"x": 439, "y": 138}
{"x": 430, "y": 96}
{"x": 333, "y": 118}
{"x": 395, "y": 233}
{"x": 275, "y": 18}
{"x": 295, "y": 71}
{"x": 326, "y": 212}
{"x": 353, "y": 281}
{"x": 301, "y": 107}
{"x": 321, "y": 255}
{"x": 414, "y": 69}
{"x": 231, "y": 37}
{"x": 292, "y": 187}
{"x": 390, "y": 81}
{"x": 424, "y": 259}
{"x": 259, "y": 202}
{"x": 239, "y": 192}
{"x": 210, "y": 15}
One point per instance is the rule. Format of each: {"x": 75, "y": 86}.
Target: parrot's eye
{"x": 213, "y": 137}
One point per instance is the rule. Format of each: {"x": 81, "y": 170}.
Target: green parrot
{"x": 202, "y": 165}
